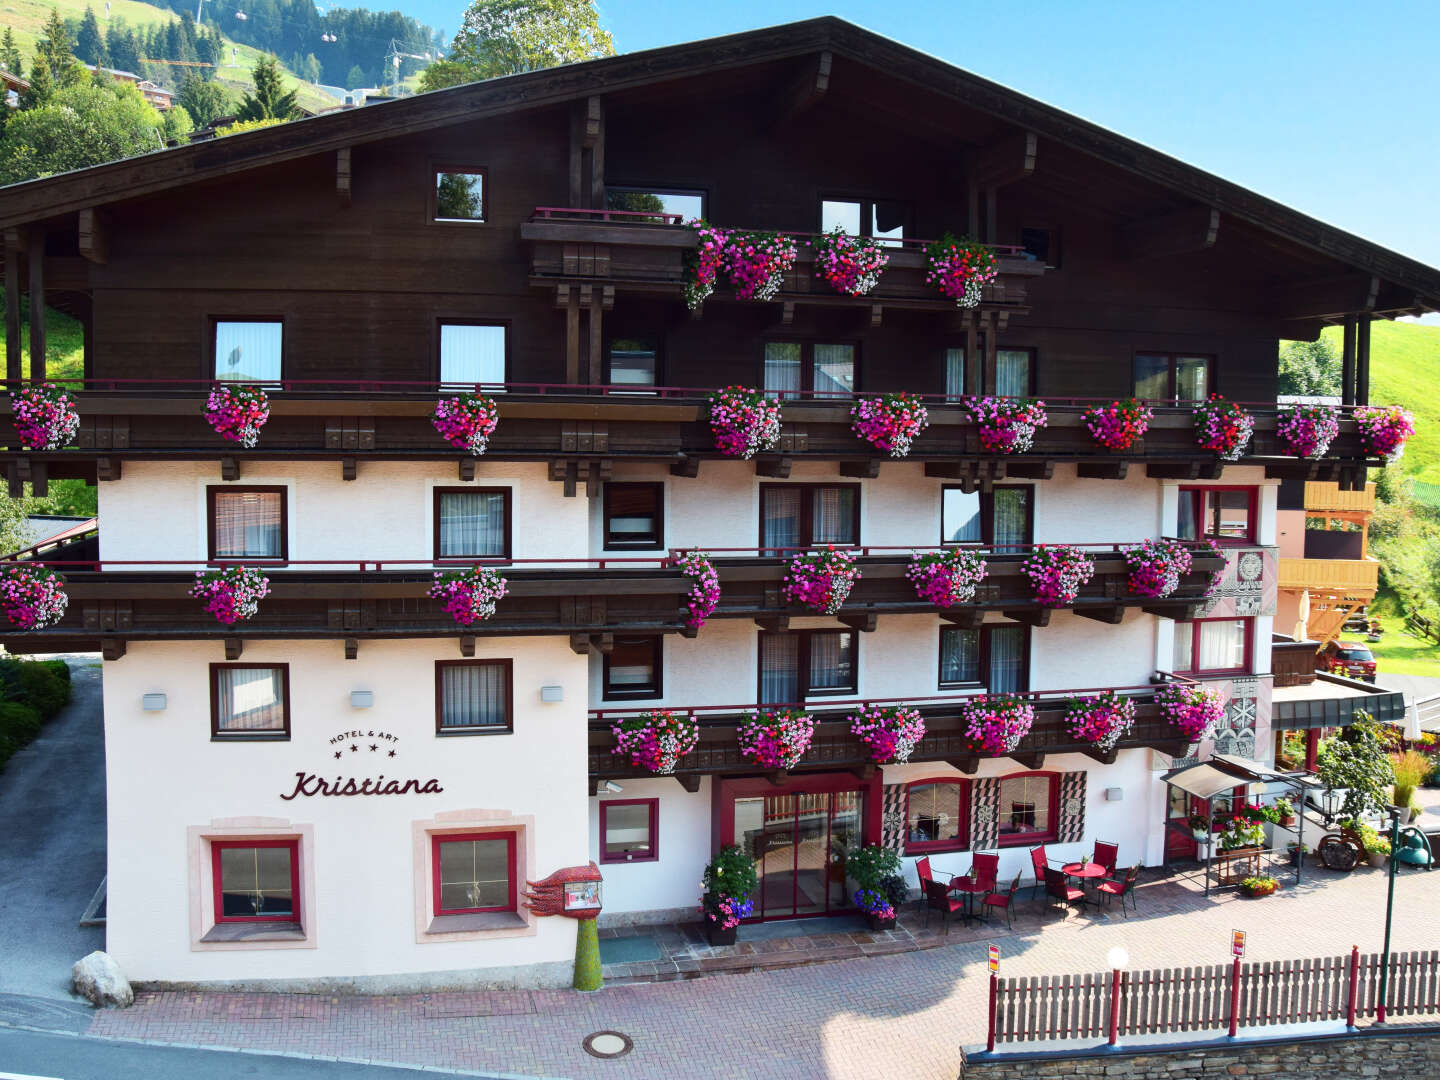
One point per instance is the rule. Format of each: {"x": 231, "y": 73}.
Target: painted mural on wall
{"x": 1247, "y": 585}
{"x": 1247, "y": 588}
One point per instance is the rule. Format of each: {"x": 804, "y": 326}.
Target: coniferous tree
{"x": 355, "y": 78}
{"x": 89, "y": 42}
{"x": 269, "y": 100}
{"x": 53, "y": 67}
{"x": 204, "y": 101}
{"x": 10, "y": 53}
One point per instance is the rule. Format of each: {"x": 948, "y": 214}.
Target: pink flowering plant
{"x": 756, "y": 263}
{"x": 468, "y": 596}
{"x": 466, "y": 421}
{"x": 726, "y": 887}
{"x": 875, "y": 903}
{"x": 704, "y": 264}
{"x": 997, "y": 722}
{"x": 890, "y": 731}
{"x": 1308, "y": 430}
{"x": 890, "y": 423}
{"x": 45, "y": 416}
{"x": 704, "y": 586}
{"x": 1101, "y": 719}
{"x": 1223, "y": 427}
{"x": 1384, "y": 429}
{"x": 1056, "y": 573}
{"x": 231, "y": 594}
{"x": 1119, "y": 425}
{"x": 1006, "y": 425}
{"x": 961, "y": 269}
{"x": 776, "y": 738}
{"x": 238, "y": 412}
{"x": 849, "y": 264}
{"x": 946, "y": 578}
{"x": 1156, "y": 567}
{"x": 1191, "y": 707}
{"x": 32, "y": 597}
{"x": 656, "y": 740}
{"x": 744, "y": 422}
{"x": 821, "y": 579}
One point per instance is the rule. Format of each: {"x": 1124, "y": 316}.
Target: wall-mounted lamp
{"x": 552, "y": 693}
{"x": 610, "y": 787}
{"x": 152, "y": 702}
{"x": 1114, "y": 794}
{"x": 362, "y": 699}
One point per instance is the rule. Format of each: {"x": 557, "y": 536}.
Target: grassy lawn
{"x": 64, "y": 342}
{"x": 1400, "y": 654}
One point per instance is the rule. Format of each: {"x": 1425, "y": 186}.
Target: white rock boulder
{"x": 99, "y": 980}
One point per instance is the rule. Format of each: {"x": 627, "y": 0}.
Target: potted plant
{"x": 237, "y": 412}
{"x": 961, "y": 268}
{"x": 1285, "y": 812}
{"x": 32, "y": 597}
{"x": 468, "y": 596}
{"x": 1411, "y": 768}
{"x": 704, "y": 586}
{"x": 1119, "y": 425}
{"x": 1241, "y": 833}
{"x": 1056, "y": 572}
{"x": 890, "y": 731}
{"x": 1308, "y": 430}
{"x": 997, "y": 722}
{"x": 946, "y": 578}
{"x": 656, "y": 740}
{"x": 466, "y": 421}
{"x": 728, "y": 883}
{"x": 231, "y": 594}
{"x": 1006, "y": 425}
{"x": 1200, "y": 827}
{"x": 890, "y": 422}
{"x": 1156, "y": 567}
{"x": 1192, "y": 708}
{"x": 895, "y": 890}
{"x": 703, "y": 265}
{"x": 849, "y": 264}
{"x": 776, "y": 738}
{"x": 870, "y": 867}
{"x": 1384, "y": 429}
{"x": 1377, "y": 847}
{"x": 1262, "y": 885}
{"x": 45, "y": 416}
{"x": 744, "y": 422}
{"x": 1102, "y": 719}
{"x": 1223, "y": 427}
{"x": 821, "y": 579}
{"x": 879, "y": 912}
{"x": 1297, "y": 851}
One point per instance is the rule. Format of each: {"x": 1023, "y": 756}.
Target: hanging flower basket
{"x": 1006, "y": 425}
{"x": 946, "y": 578}
{"x": 776, "y": 738}
{"x": 849, "y": 264}
{"x": 756, "y": 263}
{"x": 891, "y": 732}
{"x": 1057, "y": 572}
{"x": 890, "y": 423}
{"x": 1223, "y": 427}
{"x": 1156, "y": 567}
{"x": 466, "y": 421}
{"x": 231, "y": 594}
{"x": 704, "y": 586}
{"x": 703, "y": 265}
{"x": 1119, "y": 425}
{"x": 469, "y": 596}
{"x": 821, "y": 579}
{"x": 1101, "y": 720}
{"x": 996, "y": 723}
{"x": 1384, "y": 429}
{"x": 744, "y": 422}
{"x": 656, "y": 741}
{"x": 238, "y": 412}
{"x": 1308, "y": 430}
{"x": 961, "y": 269}
{"x": 1192, "y": 708}
{"x": 45, "y": 416}
{"x": 33, "y": 597}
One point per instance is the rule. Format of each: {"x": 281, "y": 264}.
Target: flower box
{"x": 776, "y": 738}
{"x": 946, "y": 578}
{"x": 960, "y": 269}
{"x": 1384, "y": 429}
{"x": 1306, "y": 431}
{"x": 1057, "y": 572}
{"x": 718, "y": 935}
{"x": 656, "y": 740}
{"x": 1223, "y": 427}
{"x": 849, "y": 264}
{"x": 996, "y": 723}
{"x": 744, "y": 422}
{"x": 468, "y": 596}
{"x": 237, "y": 412}
{"x": 466, "y": 421}
{"x": 889, "y": 423}
{"x": 1102, "y": 720}
{"x": 1120, "y": 425}
{"x": 33, "y": 597}
{"x": 232, "y": 594}
{"x": 891, "y": 732}
{"x": 755, "y": 263}
{"x": 1256, "y": 887}
{"x": 1194, "y": 709}
{"x": 878, "y": 923}
{"x": 821, "y": 579}
{"x": 1006, "y": 425}
{"x": 45, "y": 417}
{"x": 704, "y": 592}
{"x": 1156, "y": 567}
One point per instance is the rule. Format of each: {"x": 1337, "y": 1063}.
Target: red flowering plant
{"x": 232, "y": 593}
{"x": 656, "y": 740}
{"x": 850, "y": 264}
{"x": 1207, "y": 548}
{"x": 1308, "y": 430}
{"x": 237, "y": 412}
{"x": 890, "y": 423}
{"x": 946, "y": 578}
{"x": 1120, "y": 424}
{"x": 1056, "y": 573}
{"x": 1101, "y": 719}
{"x": 466, "y": 421}
{"x": 997, "y": 722}
{"x": 32, "y": 597}
{"x": 1192, "y": 708}
{"x": 744, "y": 422}
{"x": 1006, "y": 425}
{"x": 961, "y": 269}
{"x": 1156, "y": 567}
{"x": 1223, "y": 427}
{"x": 756, "y": 263}
{"x": 703, "y": 265}
{"x": 821, "y": 579}
{"x": 1384, "y": 429}
{"x": 468, "y": 596}
{"x": 891, "y": 732}
{"x": 704, "y": 586}
{"x": 45, "y": 416}
{"x": 776, "y": 738}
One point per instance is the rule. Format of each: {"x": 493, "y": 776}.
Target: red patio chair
{"x": 1059, "y": 889}
{"x": 939, "y": 898}
{"x": 927, "y": 875}
{"x": 1002, "y": 900}
{"x": 1121, "y": 887}
{"x": 987, "y": 868}
{"x": 1106, "y": 855}
{"x": 1038, "y": 863}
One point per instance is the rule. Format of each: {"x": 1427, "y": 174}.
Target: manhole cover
{"x": 607, "y": 1044}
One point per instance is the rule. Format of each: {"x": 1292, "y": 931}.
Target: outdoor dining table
{"x": 1084, "y": 871}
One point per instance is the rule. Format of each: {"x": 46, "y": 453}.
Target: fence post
{"x": 1115, "y": 991}
{"x": 1234, "y": 997}
{"x": 1354, "y": 988}
{"x": 990, "y": 1037}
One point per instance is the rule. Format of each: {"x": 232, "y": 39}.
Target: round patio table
{"x": 1084, "y": 872}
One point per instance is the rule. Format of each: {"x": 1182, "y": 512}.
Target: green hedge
{"x": 31, "y": 692}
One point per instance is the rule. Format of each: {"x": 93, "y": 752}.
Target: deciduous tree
{"x": 503, "y": 37}
{"x": 1356, "y": 760}
{"x": 76, "y": 127}
{"x": 1309, "y": 368}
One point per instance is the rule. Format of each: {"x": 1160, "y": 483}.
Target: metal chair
{"x": 939, "y": 898}
{"x": 1003, "y": 900}
{"x": 1122, "y": 888}
{"x": 987, "y": 868}
{"x": 1038, "y": 862}
{"x": 1059, "y": 889}
{"x": 926, "y": 875}
{"x": 1106, "y": 855}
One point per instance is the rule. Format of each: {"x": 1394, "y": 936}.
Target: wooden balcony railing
{"x": 1323, "y": 497}
{"x": 1357, "y": 577}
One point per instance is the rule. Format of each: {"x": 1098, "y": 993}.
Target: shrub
{"x": 895, "y": 889}
{"x": 1411, "y": 769}
{"x": 871, "y": 865}
{"x": 43, "y": 689}
{"x": 19, "y": 723}
{"x": 59, "y": 667}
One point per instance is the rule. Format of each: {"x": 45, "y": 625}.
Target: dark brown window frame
{"x": 867, "y": 220}
{"x": 1034, "y": 355}
{"x": 983, "y": 661}
{"x": 802, "y": 656}
{"x": 213, "y": 490}
{"x": 212, "y": 322}
{"x": 1171, "y": 355}
{"x": 807, "y": 365}
{"x": 807, "y": 512}
{"x": 640, "y": 389}
{"x": 432, "y": 201}
{"x": 442, "y": 321}
{"x": 987, "y": 514}
{"x": 609, "y": 540}
{"x": 657, "y": 653}
{"x": 651, "y": 854}
{"x": 661, "y": 189}
{"x": 1056, "y": 259}
{"x": 509, "y": 495}
{"x": 218, "y": 735}
{"x": 489, "y": 729}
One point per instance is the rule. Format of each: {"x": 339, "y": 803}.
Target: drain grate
{"x": 607, "y": 1044}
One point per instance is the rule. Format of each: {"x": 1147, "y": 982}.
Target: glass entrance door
{"x": 800, "y": 843}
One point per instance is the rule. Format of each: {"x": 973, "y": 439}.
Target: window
{"x": 793, "y": 368}
{"x": 247, "y": 523}
{"x": 256, "y": 880}
{"x": 634, "y": 515}
{"x": 472, "y": 523}
{"x": 473, "y": 873}
{"x": 865, "y": 217}
{"x": 473, "y": 354}
{"x": 632, "y": 668}
{"x": 1171, "y": 377}
{"x": 1206, "y": 645}
{"x": 633, "y": 362}
{"x": 1014, "y": 372}
{"x": 248, "y": 350}
{"x": 1043, "y": 243}
{"x": 1003, "y": 518}
{"x": 459, "y": 195}
{"x": 803, "y": 515}
{"x": 688, "y": 204}
{"x": 250, "y": 701}
{"x": 629, "y": 830}
{"x": 801, "y": 663}
{"x": 937, "y": 816}
{"x": 1027, "y": 809}
{"x": 473, "y": 697}
{"x": 996, "y": 658}
{"x": 1223, "y": 514}
{"x": 955, "y": 373}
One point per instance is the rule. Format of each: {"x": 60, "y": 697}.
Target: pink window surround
{"x": 293, "y": 846}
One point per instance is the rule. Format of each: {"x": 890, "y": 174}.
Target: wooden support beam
{"x": 14, "y": 370}
{"x": 229, "y": 468}
{"x": 572, "y": 334}
{"x": 595, "y": 321}
{"x": 1032, "y": 759}
{"x": 803, "y": 91}
{"x": 15, "y": 483}
{"x": 967, "y": 763}
{"x": 687, "y": 466}
{"x": 93, "y": 239}
{"x": 1180, "y": 612}
{"x": 593, "y": 783}
{"x": 992, "y": 349}
{"x": 352, "y": 648}
{"x": 1031, "y": 470}
{"x": 1211, "y": 470}
{"x": 690, "y": 782}
{"x": 1102, "y": 470}
{"x": 776, "y": 624}
{"x": 787, "y": 312}
{"x": 466, "y": 469}
{"x": 39, "y": 479}
{"x": 865, "y": 623}
{"x": 946, "y": 470}
{"x": 107, "y": 468}
{"x": 603, "y": 643}
{"x": 1362, "y": 361}
{"x": 1105, "y": 757}
{"x": 112, "y": 648}
{"x": 967, "y": 618}
{"x": 1036, "y": 616}
{"x": 1007, "y": 160}
{"x": 1194, "y": 228}
{"x": 877, "y": 316}
{"x": 348, "y": 467}
{"x": 868, "y": 469}
{"x": 776, "y": 777}
{"x": 36, "y": 252}
{"x": 580, "y": 644}
{"x": 577, "y": 150}
{"x": 778, "y": 468}
{"x": 973, "y": 365}
{"x": 1170, "y": 470}
{"x": 1321, "y": 298}
{"x": 1347, "y": 361}
{"x": 863, "y": 772}
{"x": 687, "y": 631}
{"x": 467, "y": 645}
{"x": 234, "y": 647}
{"x": 594, "y": 142}
{"x": 1112, "y": 615}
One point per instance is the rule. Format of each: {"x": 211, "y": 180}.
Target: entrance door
{"x": 800, "y": 843}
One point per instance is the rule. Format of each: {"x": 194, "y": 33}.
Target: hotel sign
{"x": 361, "y": 742}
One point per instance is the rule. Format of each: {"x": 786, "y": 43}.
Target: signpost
{"x": 994, "y": 957}
{"x": 1237, "y": 950}
{"x": 1237, "y": 943}
{"x": 994, "y": 977}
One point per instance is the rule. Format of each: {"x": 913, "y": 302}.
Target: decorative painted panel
{"x": 1247, "y": 585}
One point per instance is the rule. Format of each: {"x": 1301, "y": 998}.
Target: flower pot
{"x": 718, "y": 936}
{"x": 1287, "y": 820}
{"x": 1202, "y": 836}
{"x": 1375, "y": 858}
{"x": 877, "y": 923}
{"x": 1257, "y": 893}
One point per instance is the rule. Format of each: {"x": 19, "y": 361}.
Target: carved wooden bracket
{"x": 107, "y": 468}
{"x": 103, "y": 433}
{"x": 234, "y": 647}
{"x": 229, "y": 468}
{"x": 112, "y": 648}
{"x": 467, "y": 645}
{"x": 352, "y": 648}
{"x": 108, "y": 616}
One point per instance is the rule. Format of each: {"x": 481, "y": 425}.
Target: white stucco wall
{"x": 671, "y": 882}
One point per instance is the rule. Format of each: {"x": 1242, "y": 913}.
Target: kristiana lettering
{"x": 308, "y": 784}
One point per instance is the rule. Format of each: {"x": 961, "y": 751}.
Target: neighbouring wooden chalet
{"x": 529, "y": 236}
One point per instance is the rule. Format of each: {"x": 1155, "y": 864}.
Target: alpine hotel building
{"x": 349, "y": 785}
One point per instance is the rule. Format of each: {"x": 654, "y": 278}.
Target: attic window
{"x": 460, "y": 195}
{"x": 1042, "y": 243}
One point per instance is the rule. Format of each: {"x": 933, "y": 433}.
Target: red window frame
{"x": 962, "y": 838}
{"x": 216, "y": 846}
{"x": 1252, "y": 528}
{"x": 1196, "y": 624}
{"x": 650, "y": 855}
{"x": 436, "y": 839}
{"x": 1030, "y": 839}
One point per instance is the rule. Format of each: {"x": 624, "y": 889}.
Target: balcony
{"x": 1322, "y": 498}
{"x": 1349, "y": 577}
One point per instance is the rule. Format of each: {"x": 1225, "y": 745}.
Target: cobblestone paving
{"x": 898, "y": 1015}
